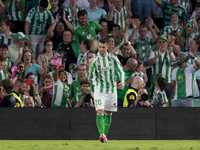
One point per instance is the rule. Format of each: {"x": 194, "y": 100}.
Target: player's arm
{"x": 171, "y": 92}
{"x": 56, "y": 74}
{"x": 69, "y": 101}
{"x": 151, "y": 61}
{"x": 197, "y": 64}
{"x": 110, "y": 15}
{"x": 120, "y": 71}
{"x": 50, "y": 32}
{"x": 68, "y": 24}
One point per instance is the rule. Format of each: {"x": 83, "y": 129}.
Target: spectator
{"x": 118, "y": 13}
{"x": 61, "y": 90}
{"x": 94, "y": 12}
{"x": 173, "y": 43}
{"x": 82, "y": 4}
{"x": 86, "y": 29}
{"x": 176, "y": 29}
{"x": 19, "y": 87}
{"x": 172, "y": 8}
{"x": 141, "y": 100}
{"x": 15, "y": 9}
{"x": 4, "y": 53}
{"x": 72, "y": 49}
{"x": 31, "y": 89}
{"x": 80, "y": 95}
{"x": 142, "y": 8}
{"x": 157, "y": 15}
{"x": 72, "y": 10}
{"x": 130, "y": 66}
{"x": 69, "y": 76}
{"x": 117, "y": 33}
{"x": 131, "y": 94}
{"x": 75, "y": 86}
{"x": 6, "y": 94}
{"x": 160, "y": 62}
{"x": 141, "y": 71}
{"x": 192, "y": 22}
{"x": 148, "y": 21}
{"x": 135, "y": 22}
{"x": 112, "y": 45}
{"x": 27, "y": 58}
{"x": 48, "y": 46}
{"x": 47, "y": 90}
{"x": 29, "y": 102}
{"x": 35, "y": 26}
{"x": 90, "y": 56}
{"x": 197, "y": 31}
{"x": 103, "y": 22}
{"x": 159, "y": 95}
{"x": 16, "y": 47}
{"x": 2, "y": 6}
{"x": 85, "y": 46}
{"x": 143, "y": 44}
{"x": 182, "y": 83}
{"x": 55, "y": 31}
{"x": 7, "y": 37}
{"x": 3, "y": 74}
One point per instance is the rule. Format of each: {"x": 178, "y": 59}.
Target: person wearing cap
{"x": 182, "y": 83}
{"x": 160, "y": 62}
{"x": 17, "y": 46}
{"x": 35, "y": 26}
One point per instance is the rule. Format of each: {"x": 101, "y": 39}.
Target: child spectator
{"x": 3, "y": 74}
{"x": 159, "y": 95}
{"x": 4, "y": 53}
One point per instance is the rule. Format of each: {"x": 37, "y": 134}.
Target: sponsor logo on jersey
{"x": 104, "y": 68}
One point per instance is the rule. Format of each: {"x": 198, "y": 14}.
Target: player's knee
{"x": 100, "y": 111}
{"x": 108, "y": 112}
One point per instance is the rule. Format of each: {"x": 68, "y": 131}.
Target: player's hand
{"x": 128, "y": 21}
{"x": 111, "y": 4}
{"x": 42, "y": 58}
{"x": 57, "y": 17}
{"x": 64, "y": 15}
{"x": 36, "y": 87}
{"x": 126, "y": 35}
{"x": 180, "y": 32}
{"x": 159, "y": 52}
{"x": 82, "y": 99}
{"x": 143, "y": 69}
{"x": 120, "y": 86}
{"x": 194, "y": 22}
{"x": 20, "y": 56}
{"x": 191, "y": 55}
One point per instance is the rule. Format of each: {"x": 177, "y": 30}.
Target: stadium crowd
{"x": 47, "y": 49}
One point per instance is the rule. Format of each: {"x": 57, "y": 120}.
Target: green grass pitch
{"x": 96, "y": 145}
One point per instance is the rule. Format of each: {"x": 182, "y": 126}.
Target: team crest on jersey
{"x": 91, "y": 28}
{"x": 180, "y": 12}
{"x": 46, "y": 16}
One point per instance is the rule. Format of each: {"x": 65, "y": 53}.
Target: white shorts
{"x": 105, "y": 101}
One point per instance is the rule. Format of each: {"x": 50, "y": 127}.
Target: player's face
{"x": 67, "y": 36}
{"x": 111, "y": 42}
{"x": 62, "y": 76}
{"x": 143, "y": 33}
{"x": 54, "y": 3}
{"x": 126, "y": 51}
{"x": 174, "y": 19}
{"x": 60, "y": 27}
{"x": 83, "y": 20}
{"x": 82, "y": 70}
{"x": 104, "y": 25}
{"x": 4, "y": 52}
{"x": 47, "y": 82}
{"x": 48, "y": 47}
{"x": 29, "y": 102}
{"x": 85, "y": 87}
{"x": 102, "y": 49}
{"x": 118, "y": 4}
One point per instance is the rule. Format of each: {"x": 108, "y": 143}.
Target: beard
{"x": 20, "y": 91}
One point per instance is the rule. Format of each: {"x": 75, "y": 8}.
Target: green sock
{"x": 107, "y": 123}
{"x": 100, "y": 123}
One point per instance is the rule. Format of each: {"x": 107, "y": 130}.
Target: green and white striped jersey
{"x": 185, "y": 3}
{"x": 60, "y": 94}
{"x": 168, "y": 10}
{"x": 82, "y": 59}
{"x": 3, "y": 75}
{"x": 22, "y": 97}
{"x": 38, "y": 21}
{"x": 169, "y": 29}
{"x": 13, "y": 12}
{"x": 69, "y": 76}
{"x": 190, "y": 23}
{"x": 160, "y": 96}
{"x": 135, "y": 74}
{"x": 120, "y": 17}
{"x": 193, "y": 35}
{"x": 4, "y": 40}
{"x": 74, "y": 21}
{"x": 103, "y": 71}
{"x": 8, "y": 63}
{"x": 158, "y": 69}
{"x": 184, "y": 79}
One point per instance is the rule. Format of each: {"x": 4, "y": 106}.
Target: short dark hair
{"x": 29, "y": 74}
{"x": 45, "y": 43}
{"x": 62, "y": 71}
{"x": 8, "y": 85}
{"x": 142, "y": 26}
{"x": 68, "y": 30}
{"x": 91, "y": 52}
{"x": 82, "y": 12}
{"x": 173, "y": 14}
{"x": 19, "y": 81}
{"x": 103, "y": 41}
{"x": 85, "y": 81}
{"x": 3, "y": 46}
{"x": 161, "y": 82}
{"x": 197, "y": 5}
{"x": 103, "y": 20}
{"x": 135, "y": 16}
{"x": 83, "y": 65}
{"x": 116, "y": 25}
{"x": 139, "y": 63}
{"x": 44, "y": 3}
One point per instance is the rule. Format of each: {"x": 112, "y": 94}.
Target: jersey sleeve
{"x": 30, "y": 15}
{"x": 69, "y": 78}
{"x": 97, "y": 26}
{"x": 165, "y": 31}
{"x": 152, "y": 55}
{"x": 119, "y": 69}
{"x": 22, "y": 2}
{"x": 174, "y": 74}
{"x": 71, "y": 93}
{"x": 162, "y": 6}
{"x": 104, "y": 14}
{"x": 185, "y": 16}
{"x": 77, "y": 38}
{"x": 50, "y": 18}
